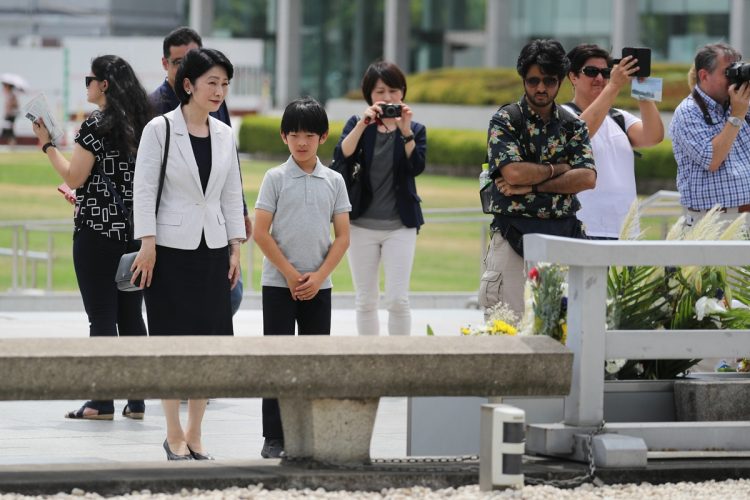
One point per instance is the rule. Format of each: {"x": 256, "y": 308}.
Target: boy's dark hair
{"x": 304, "y": 115}
{"x": 180, "y": 36}
{"x": 195, "y": 63}
{"x": 548, "y": 54}
{"x": 386, "y": 71}
{"x": 582, "y": 53}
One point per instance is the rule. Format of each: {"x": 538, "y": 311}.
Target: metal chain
{"x": 578, "y": 480}
{"x": 471, "y": 462}
{"x": 394, "y": 464}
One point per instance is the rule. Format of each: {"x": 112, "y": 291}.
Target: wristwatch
{"x": 734, "y": 121}
{"x": 407, "y": 138}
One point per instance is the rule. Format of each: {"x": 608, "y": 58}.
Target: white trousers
{"x": 367, "y": 248}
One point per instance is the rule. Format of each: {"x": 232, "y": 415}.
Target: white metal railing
{"x": 587, "y": 294}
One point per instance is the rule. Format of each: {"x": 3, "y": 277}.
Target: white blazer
{"x": 185, "y": 212}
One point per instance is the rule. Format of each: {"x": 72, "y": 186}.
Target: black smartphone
{"x": 643, "y": 54}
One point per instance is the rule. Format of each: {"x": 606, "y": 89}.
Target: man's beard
{"x": 541, "y": 100}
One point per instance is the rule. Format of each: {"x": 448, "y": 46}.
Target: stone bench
{"x": 328, "y": 387}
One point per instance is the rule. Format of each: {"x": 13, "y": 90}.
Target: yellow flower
{"x": 564, "y": 328}
{"x": 499, "y": 326}
{"x": 465, "y": 330}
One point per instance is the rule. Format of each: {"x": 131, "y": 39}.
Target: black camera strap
{"x": 702, "y": 105}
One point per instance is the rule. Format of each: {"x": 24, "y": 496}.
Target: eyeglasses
{"x": 548, "y": 81}
{"x": 592, "y": 71}
{"x": 90, "y": 79}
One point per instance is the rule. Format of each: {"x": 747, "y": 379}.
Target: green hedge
{"x": 445, "y": 147}
{"x": 496, "y": 86}
{"x": 657, "y": 162}
{"x": 260, "y": 135}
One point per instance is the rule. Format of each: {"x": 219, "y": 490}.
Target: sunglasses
{"x": 592, "y": 71}
{"x": 548, "y": 81}
{"x": 90, "y": 79}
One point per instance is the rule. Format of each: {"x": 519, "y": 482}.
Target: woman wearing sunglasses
{"x": 101, "y": 171}
{"x": 596, "y": 85}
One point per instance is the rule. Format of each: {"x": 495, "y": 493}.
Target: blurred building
{"x": 321, "y": 47}
{"x": 45, "y": 22}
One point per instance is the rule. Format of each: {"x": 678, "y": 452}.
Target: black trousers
{"x": 110, "y": 311}
{"x": 280, "y": 314}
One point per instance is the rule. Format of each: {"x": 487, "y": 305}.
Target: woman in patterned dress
{"x": 101, "y": 170}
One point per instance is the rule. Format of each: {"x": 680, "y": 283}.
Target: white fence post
{"x": 587, "y": 292}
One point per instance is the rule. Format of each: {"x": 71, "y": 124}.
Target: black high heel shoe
{"x": 174, "y": 456}
{"x": 199, "y": 456}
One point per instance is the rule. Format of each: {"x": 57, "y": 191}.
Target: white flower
{"x": 612, "y": 366}
{"x": 706, "y": 307}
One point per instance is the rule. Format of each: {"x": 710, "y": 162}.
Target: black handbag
{"x": 124, "y": 273}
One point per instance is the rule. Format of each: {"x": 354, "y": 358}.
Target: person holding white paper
{"x": 101, "y": 170}
{"x": 596, "y": 85}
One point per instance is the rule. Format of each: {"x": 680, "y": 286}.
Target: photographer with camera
{"x": 379, "y": 155}
{"x": 711, "y": 136}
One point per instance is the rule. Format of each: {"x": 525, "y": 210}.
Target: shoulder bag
{"x": 124, "y": 273}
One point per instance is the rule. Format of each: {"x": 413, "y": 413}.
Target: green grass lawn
{"x": 447, "y": 257}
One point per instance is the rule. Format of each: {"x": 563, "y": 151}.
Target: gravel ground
{"x": 724, "y": 490}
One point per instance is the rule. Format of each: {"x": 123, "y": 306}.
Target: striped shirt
{"x": 700, "y": 189}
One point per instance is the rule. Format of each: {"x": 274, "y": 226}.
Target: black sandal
{"x": 134, "y": 410}
{"x": 100, "y": 415}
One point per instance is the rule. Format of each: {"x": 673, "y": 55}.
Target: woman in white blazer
{"x": 190, "y": 252}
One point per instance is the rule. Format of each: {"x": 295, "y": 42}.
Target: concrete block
{"x": 712, "y": 400}
{"x": 616, "y": 450}
{"x": 336, "y": 431}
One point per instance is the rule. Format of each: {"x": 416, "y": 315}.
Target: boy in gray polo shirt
{"x": 296, "y": 204}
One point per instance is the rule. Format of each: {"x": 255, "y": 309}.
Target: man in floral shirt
{"x": 540, "y": 157}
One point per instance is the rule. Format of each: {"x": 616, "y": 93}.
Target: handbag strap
{"x": 116, "y": 193}
{"x": 163, "y": 166}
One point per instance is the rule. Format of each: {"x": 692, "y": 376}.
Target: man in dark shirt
{"x": 540, "y": 157}
{"x": 163, "y": 100}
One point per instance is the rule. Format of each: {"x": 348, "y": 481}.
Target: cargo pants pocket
{"x": 490, "y": 288}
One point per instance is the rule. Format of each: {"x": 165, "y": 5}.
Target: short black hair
{"x": 195, "y": 64}
{"x": 582, "y": 53}
{"x": 387, "y": 71}
{"x": 304, "y": 115}
{"x": 180, "y": 36}
{"x": 708, "y": 55}
{"x": 548, "y": 54}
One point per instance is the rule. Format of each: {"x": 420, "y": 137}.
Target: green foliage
{"x": 496, "y": 86}
{"x": 550, "y": 306}
{"x": 657, "y": 162}
{"x": 260, "y": 134}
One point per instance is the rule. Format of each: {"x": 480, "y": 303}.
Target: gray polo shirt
{"x": 303, "y": 206}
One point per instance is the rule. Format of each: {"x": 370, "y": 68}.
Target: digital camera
{"x": 738, "y": 73}
{"x": 390, "y": 110}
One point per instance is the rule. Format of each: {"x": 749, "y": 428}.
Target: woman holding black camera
{"x": 380, "y": 154}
